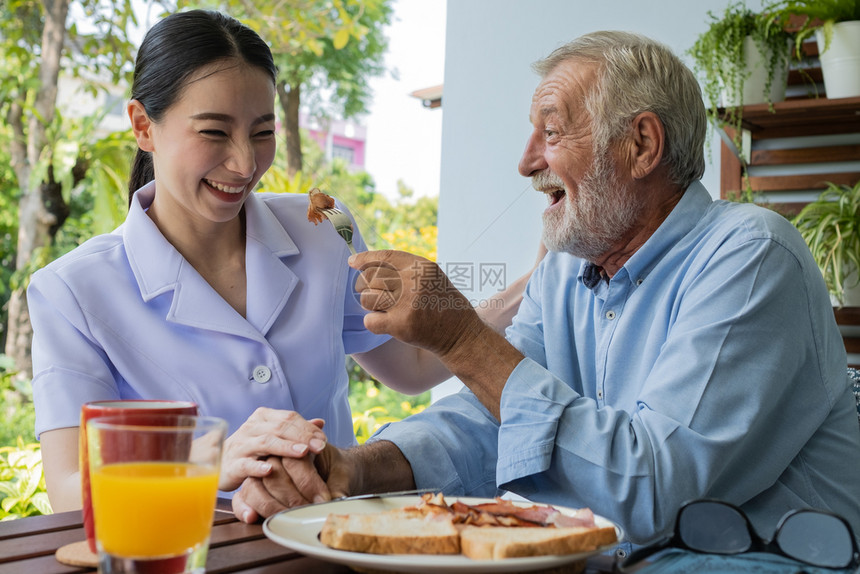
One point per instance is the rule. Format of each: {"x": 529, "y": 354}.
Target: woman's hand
{"x": 268, "y": 432}
{"x": 333, "y": 473}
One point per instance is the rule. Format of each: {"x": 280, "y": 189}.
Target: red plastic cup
{"x": 138, "y": 410}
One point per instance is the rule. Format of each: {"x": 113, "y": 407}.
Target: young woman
{"x": 208, "y": 292}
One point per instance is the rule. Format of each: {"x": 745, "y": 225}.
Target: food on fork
{"x": 488, "y": 531}
{"x": 317, "y": 202}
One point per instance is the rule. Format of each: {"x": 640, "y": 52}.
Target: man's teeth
{"x": 225, "y": 188}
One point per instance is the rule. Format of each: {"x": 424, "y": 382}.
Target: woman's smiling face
{"x": 213, "y": 144}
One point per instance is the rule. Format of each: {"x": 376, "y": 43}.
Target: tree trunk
{"x": 290, "y": 97}
{"x": 41, "y": 209}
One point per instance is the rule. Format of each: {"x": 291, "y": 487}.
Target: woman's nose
{"x": 243, "y": 160}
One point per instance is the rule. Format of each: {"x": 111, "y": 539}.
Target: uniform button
{"x": 610, "y": 315}
{"x": 262, "y": 374}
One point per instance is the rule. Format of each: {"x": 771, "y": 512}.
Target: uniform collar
{"x": 264, "y": 228}
{"x": 154, "y": 261}
{"x": 159, "y": 268}
{"x": 270, "y": 281}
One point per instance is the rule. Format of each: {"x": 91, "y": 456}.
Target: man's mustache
{"x": 546, "y": 180}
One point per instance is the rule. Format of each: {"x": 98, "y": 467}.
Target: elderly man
{"x": 668, "y": 348}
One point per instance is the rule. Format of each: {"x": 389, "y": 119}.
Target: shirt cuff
{"x": 58, "y": 395}
{"x": 532, "y": 404}
{"x": 451, "y": 446}
{"x": 432, "y": 467}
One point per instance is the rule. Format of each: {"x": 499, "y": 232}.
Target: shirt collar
{"x": 683, "y": 217}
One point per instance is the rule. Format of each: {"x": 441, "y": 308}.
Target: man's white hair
{"x": 637, "y": 74}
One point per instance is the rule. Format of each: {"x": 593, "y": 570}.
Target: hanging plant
{"x": 720, "y": 60}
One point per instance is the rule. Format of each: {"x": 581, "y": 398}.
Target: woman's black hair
{"x": 172, "y": 51}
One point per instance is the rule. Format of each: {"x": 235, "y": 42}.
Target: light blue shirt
{"x": 709, "y": 366}
{"x": 125, "y": 316}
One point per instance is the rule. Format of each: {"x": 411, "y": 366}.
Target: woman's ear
{"x": 648, "y": 139}
{"x": 141, "y": 125}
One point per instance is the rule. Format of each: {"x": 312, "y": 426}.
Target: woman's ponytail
{"x": 142, "y": 172}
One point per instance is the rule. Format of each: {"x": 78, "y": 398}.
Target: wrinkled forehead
{"x": 563, "y": 90}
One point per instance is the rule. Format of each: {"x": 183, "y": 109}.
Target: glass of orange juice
{"x": 117, "y": 408}
{"x": 154, "y": 484}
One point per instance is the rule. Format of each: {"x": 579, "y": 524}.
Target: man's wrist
{"x": 379, "y": 466}
{"x": 465, "y": 335}
{"x": 483, "y": 360}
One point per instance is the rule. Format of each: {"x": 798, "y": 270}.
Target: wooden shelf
{"x": 802, "y": 117}
{"x": 847, "y": 315}
{"x": 795, "y": 178}
{"x": 785, "y": 170}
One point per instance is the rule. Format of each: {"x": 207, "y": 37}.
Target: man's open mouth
{"x": 555, "y": 196}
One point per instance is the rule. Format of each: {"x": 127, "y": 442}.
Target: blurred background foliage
{"x": 333, "y": 56}
{"x": 22, "y": 482}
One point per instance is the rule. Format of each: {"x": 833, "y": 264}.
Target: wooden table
{"x": 27, "y": 546}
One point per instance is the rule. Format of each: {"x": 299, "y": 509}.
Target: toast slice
{"x": 498, "y": 542}
{"x": 391, "y": 533}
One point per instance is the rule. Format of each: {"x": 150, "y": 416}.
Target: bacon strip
{"x": 504, "y": 513}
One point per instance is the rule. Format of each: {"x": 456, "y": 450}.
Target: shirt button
{"x": 639, "y": 281}
{"x": 610, "y": 315}
{"x": 262, "y": 374}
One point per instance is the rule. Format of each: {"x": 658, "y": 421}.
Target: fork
{"x": 342, "y": 224}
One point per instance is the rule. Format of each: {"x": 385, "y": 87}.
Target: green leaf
{"x": 30, "y": 484}
{"x": 7, "y": 487}
{"x": 9, "y": 503}
{"x": 41, "y": 503}
{"x": 830, "y": 225}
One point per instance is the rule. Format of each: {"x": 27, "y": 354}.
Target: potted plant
{"x": 742, "y": 58}
{"x": 836, "y": 25}
{"x": 830, "y": 225}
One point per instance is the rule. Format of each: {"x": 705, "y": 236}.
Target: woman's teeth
{"x": 225, "y": 188}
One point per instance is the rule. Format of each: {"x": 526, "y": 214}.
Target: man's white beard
{"x": 595, "y": 217}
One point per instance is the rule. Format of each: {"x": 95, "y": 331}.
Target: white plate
{"x": 299, "y": 528}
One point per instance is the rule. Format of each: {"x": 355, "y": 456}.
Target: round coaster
{"x": 77, "y": 554}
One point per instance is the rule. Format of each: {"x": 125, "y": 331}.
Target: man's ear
{"x": 647, "y": 143}
{"x": 141, "y": 125}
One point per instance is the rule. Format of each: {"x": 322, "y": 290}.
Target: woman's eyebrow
{"x": 228, "y": 118}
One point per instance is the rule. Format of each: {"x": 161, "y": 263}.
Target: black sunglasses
{"x": 814, "y": 537}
